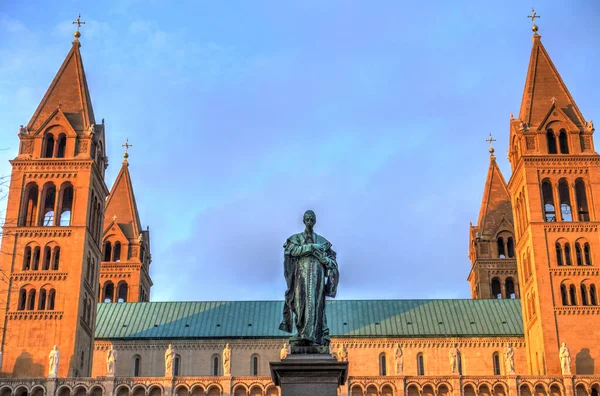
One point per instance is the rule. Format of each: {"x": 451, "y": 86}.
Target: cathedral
{"x": 78, "y": 318}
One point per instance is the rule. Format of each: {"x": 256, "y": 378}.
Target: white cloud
{"x": 12, "y": 25}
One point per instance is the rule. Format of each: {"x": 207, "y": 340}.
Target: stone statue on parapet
{"x": 111, "y": 361}
{"x": 565, "y": 359}
{"x": 284, "y": 351}
{"x": 53, "y": 362}
{"x": 226, "y": 360}
{"x": 342, "y": 353}
{"x": 399, "y": 360}
{"x": 169, "y": 361}
{"x": 453, "y": 356}
{"x": 311, "y": 273}
{"x": 509, "y": 359}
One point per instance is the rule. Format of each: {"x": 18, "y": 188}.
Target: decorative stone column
{"x": 568, "y": 383}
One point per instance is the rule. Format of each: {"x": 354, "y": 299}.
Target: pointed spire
{"x": 69, "y": 91}
{"x": 495, "y": 204}
{"x": 544, "y": 87}
{"x": 121, "y": 205}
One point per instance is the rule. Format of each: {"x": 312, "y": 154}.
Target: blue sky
{"x": 244, "y": 114}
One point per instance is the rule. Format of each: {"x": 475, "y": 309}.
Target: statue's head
{"x": 310, "y": 219}
{"x": 285, "y": 344}
{"x": 564, "y": 344}
{"x": 55, "y": 347}
{"x": 227, "y": 346}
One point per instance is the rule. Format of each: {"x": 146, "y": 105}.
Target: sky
{"x": 243, "y": 114}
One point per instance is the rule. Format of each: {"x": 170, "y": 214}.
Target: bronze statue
{"x": 311, "y": 273}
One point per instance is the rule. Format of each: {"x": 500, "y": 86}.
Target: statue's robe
{"x": 308, "y": 283}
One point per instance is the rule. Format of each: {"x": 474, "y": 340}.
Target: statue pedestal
{"x": 309, "y": 375}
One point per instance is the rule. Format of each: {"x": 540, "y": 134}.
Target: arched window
{"x": 66, "y": 206}
{"x": 509, "y": 286}
{"x": 510, "y": 246}
{"x": 254, "y": 365}
{"x": 35, "y": 265}
{"x": 27, "y": 258}
{"x": 22, "y": 299}
{"x": 501, "y": 253}
{"x": 137, "y": 360}
{"x": 122, "y": 291}
{"x": 581, "y": 197}
{"x": 420, "y": 364}
{"x": 551, "y": 140}
{"x": 548, "y": 201}
{"x": 56, "y": 259}
{"x": 496, "y": 363}
{"x": 559, "y": 254}
{"x": 566, "y": 213}
{"x": 107, "y": 251}
{"x": 117, "y": 252}
{"x": 176, "y": 365}
{"x": 587, "y": 254}
{"x": 30, "y": 205}
{"x": 584, "y": 295}
{"x": 48, "y": 146}
{"x": 563, "y": 295}
{"x": 593, "y": 297}
{"x": 31, "y": 300}
{"x": 42, "y": 300}
{"x": 563, "y": 141}
{"x": 382, "y": 364}
{"x": 51, "y": 298}
{"x": 47, "y": 258}
{"x": 568, "y": 254}
{"x": 496, "y": 289}
{"x": 573, "y": 295}
{"x": 48, "y": 200}
{"x": 578, "y": 254}
{"x": 215, "y": 365}
{"x": 61, "y": 144}
{"x": 108, "y": 292}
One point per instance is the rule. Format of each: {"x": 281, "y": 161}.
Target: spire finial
{"x": 490, "y": 140}
{"x": 78, "y": 22}
{"x": 532, "y": 17}
{"x": 126, "y": 145}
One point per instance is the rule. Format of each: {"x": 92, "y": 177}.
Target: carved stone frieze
{"x": 581, "y": 310}
{"x": 43, "y": 276}
{"x": 35, "y": 315}
{"x": 572, "y": 227}
{"x": 43, "y": 232}
{"x": 575, "y": 271}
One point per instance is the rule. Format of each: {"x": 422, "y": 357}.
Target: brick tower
{"x": 555, "y": 194}
{"x": 492, "y": 241}
{"x": 124, "y": 272}
{"x": 51, "y": 237}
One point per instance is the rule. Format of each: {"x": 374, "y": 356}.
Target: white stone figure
{"x": 399, "y": 360}
{"x": 453, "y": 355}
{"x": 53, "y": 361}
{"x": 342, "y": 353}
{"x": 111, "y": 361}
{"x": 169, "y": 361}
{"x": 565, "y": 359}
{"x": 509, "y": 359}
{"x": 227, "y": 361}
{"x": 284, "y": 351}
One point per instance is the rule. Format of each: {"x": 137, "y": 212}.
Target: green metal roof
{"x": 349, "y": 318}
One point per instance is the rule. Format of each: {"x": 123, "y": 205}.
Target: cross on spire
{"x": 78, "y": 22}
{"x": 490, "y": 140}
{"x": 126, "y": 145}
{"x": 532, "y": 17}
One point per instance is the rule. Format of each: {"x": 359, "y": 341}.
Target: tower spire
{"x": 534, "y": 26}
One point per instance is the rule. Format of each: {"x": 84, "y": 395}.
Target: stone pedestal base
{"x": 309, "y": 375}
